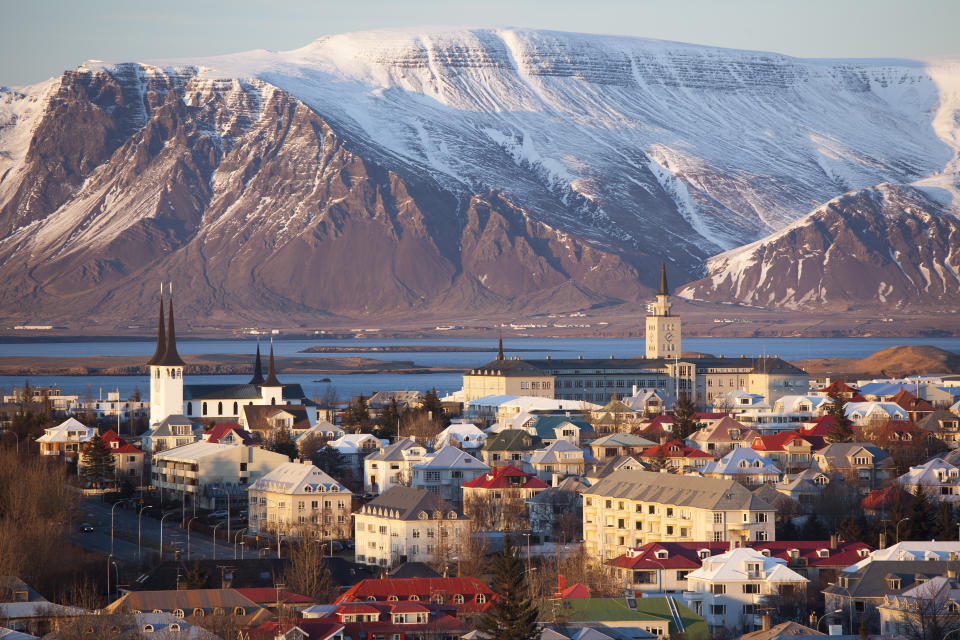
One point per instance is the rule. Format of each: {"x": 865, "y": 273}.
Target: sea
{"x": 344, "y": 386}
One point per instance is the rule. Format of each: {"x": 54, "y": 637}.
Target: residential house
{"x": 65, "y": 439}
{"x": 570, "y": 428}
{"x": 862, "y": 465}
{"x": 938, "y": 478}
{"x": 298, "y": 499}
{"x": 676, "y": 455}
{"x": 735, "y": 402}
{"x": 24, "y": 610}
{"x": 355, "y": 447}
{"x": 404, "y": 399}
{"x": 916, "y": 408}
{"x": 172, "y": 431}
{"x": 869, "y": 415}
{"x": 557, "y": 460}
{"x": 98, "y": 409}
{"x": 804, "y": 487}
{"x": 730, "y": 588}
{"x": 467, "y": 595}
{"x": 929, "y": 607}
{"x": 321, "y": 433}
{"x": 391, "y": 466}
{"x": 266, "y": 420}
{"x": 498, "y": 499}
{"x": 619, "y": 444}
{"x": 509, "y": 446}
{"x": 630, "y": 508}
{"x": 128, "y": 460}
{"x": 464, "y": 435}
{"x": 744, "y": 465}
{"x": 622, "y": 618}
{"x": 721, "y": 436}
{"x": 557, "y": 513}
{"x": 208, "y": 474}
{"x": 446, "y": 471}
{"x": 788, "y": 630}
{"x": 944, "y": 424}
{"x": 614, "y": 417}
{"x": 228, "y": 433}
{"x": 599, "y": 470}
{"x": 791, "y": 451}
{"x": 397, "y": 620}
{"x": 839, "y": 388}
{"x": 298, "y": 629}
{"x": 195, "y": 606}
{"x": 650, "y": 402}
{"x": 408, "y": 524}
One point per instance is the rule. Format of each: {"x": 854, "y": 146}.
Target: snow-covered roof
{"x": 558, "y": 452}
{"x": 466, "y": 434}
{"x": 933, "y": 472}
{"x": 296, "y": 478}
{"x": 742, "y": 461}
{"x": 451, "y": 458}
{"x": 323, "y": 428}
{"x": 866, "y": 410}
{"x": 911, "y": 550}
{"x": 60, "y": 433}
{"x": 733, "y": 566}
{"x": 353, "y": 442}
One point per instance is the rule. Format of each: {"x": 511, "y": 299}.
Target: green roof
{"x": 617, "y": 610}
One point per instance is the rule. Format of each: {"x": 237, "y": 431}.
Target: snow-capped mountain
{"x": 893, "y": 245}
{"x": 407, "y": 171}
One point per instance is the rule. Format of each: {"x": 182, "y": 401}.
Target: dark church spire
{"x": 271, "y": 380}
{"x": 257, "y": 369}
{"x": 170, "y": 356}
{"x": 500, "y": 348}
{"x": 161, "y": 336}
{"x": 664, "y": 291}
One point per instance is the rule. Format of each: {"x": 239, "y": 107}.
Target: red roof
{"x": 837, "y": 386}
{"x": 674, "y": 449}
{"x": 777, "y": 441}
{"x": 576, "y": 591}
{"x": 499, "y": 478}
{"x": 909, "y": 402}
{"x": 123, "y": 447}
{"x": 268, "y": 595}
{"x": 819, "y": 427}
{"x": 221, "y": 429}
{"x": 680, "y": 555}
{"x": 884, "y": 499}
{"x": 381, "y": 589}
{"x": 408, "y": 607}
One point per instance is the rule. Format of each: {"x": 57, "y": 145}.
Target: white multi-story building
{"x": 65, "y": 439}
{"x": 629, "y": 508}
{"x": 408, "y": 524}
{"x": 391, "y": 466}
{"x": 937, "y": 477}
{"x": 745, "y": 466}
{"x": 730, "y": 588}
{"x": 298, "y": 499}
{"x": 205, "y": 474}
{"x": 464, "y": 435}
{"x": 354, "y": 447}
{"x": 446, "y": 471}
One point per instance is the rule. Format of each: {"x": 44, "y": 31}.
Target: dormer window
{"x": 765, "y": 552}
{"x": 893, "y": 583}
{"x": 662, "y": 554}
{"x": 823, "y": 553}
{"x": 703, "y": 553}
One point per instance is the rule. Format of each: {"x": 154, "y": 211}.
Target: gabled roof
{"x": 837, "y": 453}
{"x": 221, "y": 429}
{"x": 731, "y": 567}
{"x": 407, "y": 503}
{"x": 395, "y": 450}
{"x": 269, "y": 596}
{"x": 296, "y": 478}
{"x": 499, "y": 478}
{"x": 783, "y": 630}
{"x": 122, "y": 445}
{"x": 621, "y": 440}
{"x": 508, "y": 368}
{"x": 163, "y": 429}
{"x": 675, "y": 449}
{"x": 742, "y": 461}
{"x": 451, "y": 458}
{"x": 607, "y": 466}
{"x": 545, "y": 426}
{"x": 779, "y": 441}
{"x": 837, "y": 386}
{"x": 512, "y": 440}
{"x": 870, "y": 579}
{"x": 667, "y": 488}
{"x": 554, "y": 454}
{"x": 402, "y": 398}
{"x": 59, "y": 432}
{"x": 257, "y": 415}
{"x": 353, "y": 442}
{"x": 720, "y": 431}
{"x": 910, "y": 402}
{"x": 884, "y": 499}
{"x": 380, "y": 590}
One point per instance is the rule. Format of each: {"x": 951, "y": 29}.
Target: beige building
{"x": 513, "y": 377}
{"x": 204, "y": 472}
{"x": 299, "y": 499}
{"x": 629, "y": 508}
{"x": 407, "y": 524}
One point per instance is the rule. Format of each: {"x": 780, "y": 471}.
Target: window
{"x": 718, "y": 609}
{"x": 651, "y": 509}
{"x": 717, "y": 517}
{"x": 718, "y": 589}
{"x": 204, "y": 408}
{"x": 718, "y": 536}
{"x": 178, "y": 613}
{"x": 198, "y": 612}
{"x": 751, "y": 587}
{"x": 481, "y": 598}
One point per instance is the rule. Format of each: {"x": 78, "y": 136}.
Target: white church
{"x": 178, "y": 411}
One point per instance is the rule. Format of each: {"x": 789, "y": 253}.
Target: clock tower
{"x": 663, "y": 329}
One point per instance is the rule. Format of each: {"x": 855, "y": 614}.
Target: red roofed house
{"x": 916, "y": 408}
{"x": 127, "y": 459}
{"x": 880, "y": 501}
{"x": 838, "y": 387}
{"x": 662, "y": 567}
{"x": 229, "y": 433}
{"x": 272, "y": 598}
{"x": 819, "y": 427}
{"x": 394, "y": 620}
{"x": 466, "y": 597}
{"x": 790, "y": 450}
{"x": 497, "y": 499}
{"x": 678, "y": 455}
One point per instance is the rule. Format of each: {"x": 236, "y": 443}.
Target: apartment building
{"x": 298, "y": 499}
{"x": 446, "y": 471}
{"x": 630, "y": 508}
{"x": 391, "y": 466}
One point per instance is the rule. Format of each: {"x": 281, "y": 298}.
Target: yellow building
{"x": 299, "y": 499}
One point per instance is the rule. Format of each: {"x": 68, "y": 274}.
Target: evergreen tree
{"x": 946, "y": 522}
{"x": 512, "y": 615}
{"x": 282, "y": 442}
{"x": 922, "y": 520}
{"x": 852, "y": 528}
{"x": 786, "y": 530}
{"x": 842, "y": 429}
{"x": 388, "y": 420}
{"x": 432, "y": 404}
{"x": 196, "y": 578}
{"x": 684, "y": 418}
{"x": 329, "y": 460}
{"x": 97, "y": 467}
{"x": 813, "y": 529}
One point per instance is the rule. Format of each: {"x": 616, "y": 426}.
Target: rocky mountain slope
{"x": 889, "y": 362}
{"x": 405, "y": 172}
{"x": 894, "y": 245}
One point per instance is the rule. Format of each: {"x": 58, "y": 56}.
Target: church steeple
{"x": 664, "y": 291}
{"x": 271, "y": 380}
{"x": 500, "y": 348}
{"x": 257, "y": 369}
{"x": 161, "y": 336}
{"x": 170, "y": 356}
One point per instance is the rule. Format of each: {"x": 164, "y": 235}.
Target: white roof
{"x": 323, "y": 427}
{"x": 295, "y": 478}
{"x": 926, "y": 473}
{"x": 732, "y": 567}
{"x": 451, "y": 458}
{"x": 557, "y": 452}
{"x": 353, "y": 442}
{"x": 889, "y": 409}
{"x": 742, "y": 460}
{"x": 534, "y": 403}
{"x": 59, "y": 432}
{"x": 466, "y": 434}
{"x": 791, "y": 404}
{"x": 911, "y": 550}
{"x": 201, "y": 449}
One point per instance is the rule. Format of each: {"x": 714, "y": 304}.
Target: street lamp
{"x": 215, "y": 539}
{"x": 899, "y": 522}
{"x": 829, "y": 613}
{"x": 140, "y": 532}
{"x": 238, "y": 534}
{"x": 162, "y": 518}
{"x": 226, "y": 493}
{"x": 189, "y": 522}
{"x": 109, "y": 560}
{"x": 111, "y": 522}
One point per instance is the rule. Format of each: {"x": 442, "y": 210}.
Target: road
{"x": 125, "y": 547}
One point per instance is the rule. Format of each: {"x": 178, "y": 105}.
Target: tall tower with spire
{"x": 663, "y": 329}
{"x": 271, "y": 390}
{"x": 166, "y": 370}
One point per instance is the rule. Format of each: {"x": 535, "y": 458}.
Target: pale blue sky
{"x": 41, "y": 38}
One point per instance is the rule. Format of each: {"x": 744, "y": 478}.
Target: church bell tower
{"x": 166, "y": 371}
{"x": 663, "y": 329}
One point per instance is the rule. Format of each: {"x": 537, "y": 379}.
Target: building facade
{"x": 299, "y": 500}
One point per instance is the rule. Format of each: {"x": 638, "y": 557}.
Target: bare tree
{"x": 308, "y": 572}
{"x": 932, "y": 613}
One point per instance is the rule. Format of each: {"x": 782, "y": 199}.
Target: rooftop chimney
{"x": 766, "y": 622}
{"x": 833, "y": 542}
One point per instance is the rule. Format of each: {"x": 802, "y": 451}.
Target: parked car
{"x": 86, "y": 527}
{"x": 216, "y": 515}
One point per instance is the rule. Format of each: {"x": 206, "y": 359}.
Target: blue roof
{"x": 545, "y": 426}
{"x": 880, "y": 389}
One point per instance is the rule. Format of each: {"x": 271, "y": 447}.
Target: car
{"x": 215, "y": 515}
{"x": 86, "y": 527}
